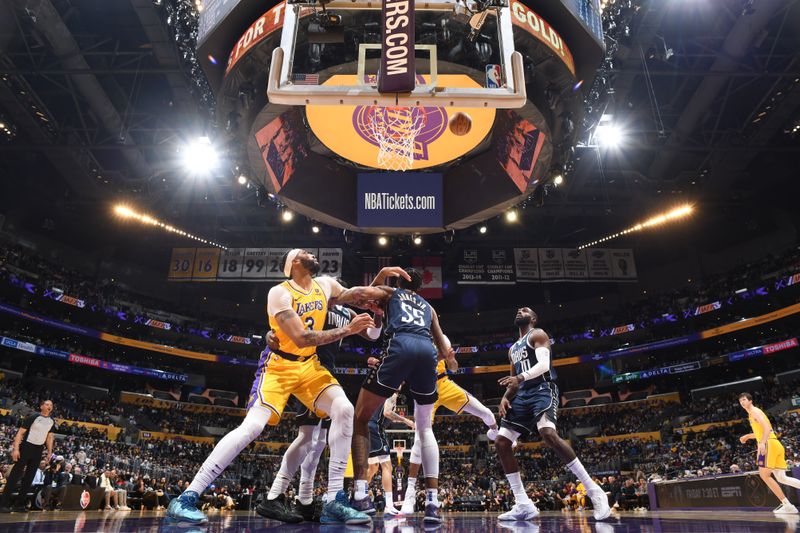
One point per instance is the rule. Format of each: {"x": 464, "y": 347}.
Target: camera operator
{"x": 35, "y": 433}
{"x": 56, "y": 480}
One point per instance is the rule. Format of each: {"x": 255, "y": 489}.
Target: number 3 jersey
{"x": 311, "y": 307}
{"x": 523, "y": 357}
{"x": 408, "y": 312}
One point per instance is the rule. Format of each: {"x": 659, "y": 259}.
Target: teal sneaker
{"x": 339, "y": 512}
{"x": 183, "y": 509}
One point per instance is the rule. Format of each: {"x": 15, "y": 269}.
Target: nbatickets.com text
{"x": 385, "y": 200}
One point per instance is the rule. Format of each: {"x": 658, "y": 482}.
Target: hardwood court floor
{"x": 249, "y": 522}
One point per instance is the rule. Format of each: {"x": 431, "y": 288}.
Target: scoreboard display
{"x": 242, "y": 264}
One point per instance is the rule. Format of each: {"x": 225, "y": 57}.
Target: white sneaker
{"x": 520, "y": 511}
{"x": 492, "y": 434}
{"x": 786, "y": 509}
{"x": 408, "y": 507}
{"x": 599, "y": 502}
{"x": 390, "y": 510}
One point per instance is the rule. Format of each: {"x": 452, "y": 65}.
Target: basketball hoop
{"x": 399, "y": 448}
{"x": 395, "y": 130}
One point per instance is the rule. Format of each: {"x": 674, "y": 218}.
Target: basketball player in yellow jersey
{"x": 457, "y": 400}
{"x": 297, "y": 310}
{"x": 770, "y": 459}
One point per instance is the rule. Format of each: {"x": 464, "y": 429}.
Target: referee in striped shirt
{"x": 35, "y": 433}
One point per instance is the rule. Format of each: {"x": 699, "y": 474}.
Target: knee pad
{"x": 342, "y": 410}
{"x": 423, "y": 416}
{"x": 510, "y": 434}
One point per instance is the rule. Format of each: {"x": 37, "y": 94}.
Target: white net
{"x": 395, "y": 131}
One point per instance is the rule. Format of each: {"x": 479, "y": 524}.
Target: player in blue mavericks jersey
{"x": 413, "y": 342}
{"x": 531, "y": 400}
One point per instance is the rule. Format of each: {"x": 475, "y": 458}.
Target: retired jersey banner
{"x": 486, "y": 266}
{"x": 431, "y": 268}
{"x": 575, "y": 264}
{"x": 242, "y": 264}
{"x": 622, "y": 264}
{"x": 599, "y": 262}
{"x": 551, "y": 263}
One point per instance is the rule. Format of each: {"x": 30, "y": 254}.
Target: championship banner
{"x": 398, "y": 71}
{"x": 599, "y": 263}
{"x": 576, "y": 266}
{"x": 551, "y": 263}
{"x": 431, "y": 268}
{"x": 243, "y": 264}
{"x": 486, "y": 266}
{"x": 526, "y": 261}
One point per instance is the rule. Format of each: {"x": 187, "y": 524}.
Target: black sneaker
{"x": 310, "y": 512}
{"x": 5, "y": 509}
{"x": 277, "y": 509}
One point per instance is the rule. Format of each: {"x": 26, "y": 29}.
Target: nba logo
{"x": 494, "y": 77}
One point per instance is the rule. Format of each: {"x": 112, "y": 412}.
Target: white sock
{"x": 389, "y": 499}
{"x": 334, "y": 402}
{"x": 362, "y": 489}
{"x": 411, "y": 489}
{"x": 475, "y": 407}
{"x": 308, "y": 469}
{"x": 515, "y": 481}
{"x": 229, "y": 447}
{"x": 580, "y": 472}
{"x": 279, "y": 485}
{"x": 432, "y": 496}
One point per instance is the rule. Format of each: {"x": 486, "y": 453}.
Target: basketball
{"x": 460, "y": 124}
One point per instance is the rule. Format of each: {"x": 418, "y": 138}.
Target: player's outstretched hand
{"x": 360, "y": 323}
{"x": 505, "y": 405}
{"x": 373, "y": 362}
{"x": 743, "y": 439}
{"x": 411, "y": 424}
{"x": 272, "y": 341}
{"x": 390, "y": 272}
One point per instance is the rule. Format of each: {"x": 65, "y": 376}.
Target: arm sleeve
{"x": 279, "y": 299}
{"x": 542, "y": 364}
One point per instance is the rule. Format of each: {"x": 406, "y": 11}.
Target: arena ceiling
{"x": 99, "y": 96}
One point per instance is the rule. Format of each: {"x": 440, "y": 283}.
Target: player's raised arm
{"x": 362, "y": 296}
{"x": 389, "y": 272}
{"x": 439, "y": 338}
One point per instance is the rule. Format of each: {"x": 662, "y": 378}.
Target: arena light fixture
{"x": 200, "y": 156}
{"x": 383, "y": 241}
{"x": 242, "y": 179}
{"x": 417, "y": 240}
{"x": 558, "y": 180}
{"x": 287, "y": 215}
{"x": 315, "y": 229}
{"x": 657, "y": 220}
{"x": 127, "y": 213}
{"x": 482, "y": 229}
{"x": 511, "y": 215}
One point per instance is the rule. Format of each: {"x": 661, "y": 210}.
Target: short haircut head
{"x": 414, "y": 284}
{"x": 746, "y": 395}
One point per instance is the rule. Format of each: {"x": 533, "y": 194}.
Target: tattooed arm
{"x": 293, "y": 327}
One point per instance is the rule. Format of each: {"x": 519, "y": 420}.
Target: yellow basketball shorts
{"x": 277, "y": 378}
{"x": 451, "y": 396}
{"x": 775, "y": 456}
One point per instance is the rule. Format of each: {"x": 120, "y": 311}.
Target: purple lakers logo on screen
{"x": 400, "y": 121}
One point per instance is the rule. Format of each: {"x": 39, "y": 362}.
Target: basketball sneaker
{"x": 365, "y": 506}
{"x": 390, "y": 511}
{"x": 339, "y": 512}
{"x": 183, "y": 509}
{"x": 599, "y": 503}
{"x": 786, "y": 509}
{"x": 408, "y": 507}
{"x": 520, "y": 511}
{"x": 492, "y": 434}
{"x": 310, "y": 512}
{"x": 432, "y": 514}
{"x": 278, "y": 509}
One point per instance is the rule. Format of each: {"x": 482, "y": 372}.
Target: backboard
{"x": 333, "y": 56}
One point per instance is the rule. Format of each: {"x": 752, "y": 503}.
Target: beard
{"x": 310, "y": 265}
{"x": 522, "y": 321}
